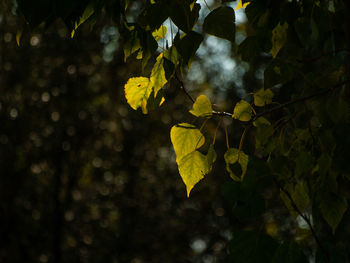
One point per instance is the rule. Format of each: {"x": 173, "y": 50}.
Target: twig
{"x": 307, "y": 220}
{"x": 324, "y": 92}
{"x": 183, "y": 88}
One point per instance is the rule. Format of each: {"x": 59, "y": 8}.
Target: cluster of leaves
{"x": 303, "y": 141}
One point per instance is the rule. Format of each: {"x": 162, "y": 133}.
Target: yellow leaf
{"x": 185, "y": 138}
{"x": 202, "y": 107}
{"x": 89, "y": 10}
{"x": 240, "y": 5}
{"x": 263, "y": 97}
{"x": 279, "y": 37}
{"x": 157, "y": 78}
{"x": 159, "y": 33}
{"x": 192, "y": 168}
{"x": 18, "y": 37}
{"x": 242, "y": 111}
{"x": 233, "y": 156}
{"x": 137, "y": 91}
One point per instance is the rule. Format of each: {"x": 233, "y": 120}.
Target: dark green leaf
{"x": 251, "y": 247}
{"x": 289, "y": 252}
{"x": 221, "y": 23}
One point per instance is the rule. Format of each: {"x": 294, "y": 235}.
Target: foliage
{"x": 295, "y": 120}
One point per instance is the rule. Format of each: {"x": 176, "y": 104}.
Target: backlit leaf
{"x": 202, "y": 107}
{"x": 233, "y": 156}
{"x": 192, "y": 168}
{"x": 159, "y": 33}
{"x": 242, "y": 111}
{"x": 137, "y": 92}
{"x": 279, "y": 37}
{"x": 241, "y": 5}
{"x": 221, "y": 23}
{"x": 157, "y": 77}
{"x": 185, "y": 138}
{"x": 89, "y": 10}
{"x": 263, "y": 97}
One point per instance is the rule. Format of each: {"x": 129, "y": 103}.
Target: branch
{"x": 307, "y": 220}
{"x": 324, "y": 92}
{"x": 183, "y": 88}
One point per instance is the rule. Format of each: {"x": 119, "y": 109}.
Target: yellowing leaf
{"x": 279, "y": 37}
{"x": 89, "y": 10}
{"x": 18, "y": 37}
{"x": 185, "y": 138}
{"x": 137, "y": 92}
{"x": 263, "y": 97}
{"x": 233, "y": 156}
{"x": 157, "y": 78}
{"x": 192, "y": 168}
{"x": 202, "y": 107}
{"x": 240, "y": 5}
{"x": 159, "y": 33}
{"x": 242, "y": 111}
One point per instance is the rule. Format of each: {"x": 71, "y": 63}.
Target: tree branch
{"x": 324, "y": 92}
{"x": 307, "y": 220}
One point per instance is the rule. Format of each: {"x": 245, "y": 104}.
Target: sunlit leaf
{"x": 202, "y": 107}
{"x": 241, "y": 5}
{"x": 233, "y": 156}
{"x": 18, "y": 37}
{"x": 89, "y": 10}
{"x": 279, "y": 37}
{"x": 221, "y": 23}
{"x": 263, "y": 97}
{"x": 242, "y": 111}
{"x": 185, "y": 138}
{"x": 137, "y": 92}
{"x": 157, "y": 77}
{"x": 159, "y": 33}
{"x": 192, "y": 168}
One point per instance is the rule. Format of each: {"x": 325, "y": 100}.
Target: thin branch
{"x": 324, "y": 92}
{"x": 307, "y": 219}
{"x": 183, "y": 88}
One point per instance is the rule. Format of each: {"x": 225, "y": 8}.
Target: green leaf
{"x": 221, "y": 23}
{"x": 157, "y": 77}
{"x": 202, "y": 107}
{"x": 300, "y": 195}
{"x": 251, "y": 247}
{"x": 159, "y": 33}
{"x": 192, "y": 168}
{"x": 188, "y": 45}
{"x": 261, "y": 122}
{"x": 250, "y": 48}
{"x": 183, "y": 14}
{"x": 332, "y": 209}
{"x": 185, "y": 138}
{"x": 137, "y": 91}
{"x": 289, "y": 252}
{"x": 263, "y": 97}
{"x": 279, "y": 38}
{"x": 153, "y": 16}
{"x": 242, "y": 111}
{"x": 233, "y": 156}
{"x": 132, "y": 45}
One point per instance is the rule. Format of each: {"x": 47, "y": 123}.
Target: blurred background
{"x": 83, "y": 177}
